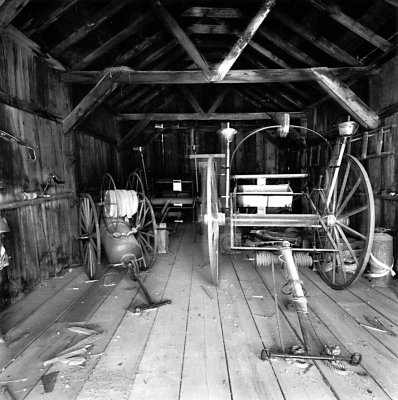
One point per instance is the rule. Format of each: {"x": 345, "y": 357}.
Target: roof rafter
{"x": 39, "y": 24}
{"x": 191, "y": 99}
{"x": 97, "y": 19}
{"x": 218, "y": 100}
{"x": 319, "y": 41}
{"x": 347, "y": 99}
{"x": 172, "y": 25}
{"x": 362, "y": 31}
{"x": 91, "y": 101}
{"x": 243, "y": 40}
{"x": 135, "y": 26}
{"x": 9, "y": 10}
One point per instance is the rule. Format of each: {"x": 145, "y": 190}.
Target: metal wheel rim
{"x": 145, "y": 223}
{"x": 134, "y": 182}
{"x": 89, "y": 234}
{"x": 339, "y": 277}
{"x": 212, "y": 221}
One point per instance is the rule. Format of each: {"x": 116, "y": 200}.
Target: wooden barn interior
{"x": 198, "y": 199}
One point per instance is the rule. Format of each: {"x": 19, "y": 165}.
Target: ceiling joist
{"x": 199, "y": 117}
{"x": 234, "y": 76}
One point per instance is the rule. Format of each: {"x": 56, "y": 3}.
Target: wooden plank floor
{"x": 205, "y": 345}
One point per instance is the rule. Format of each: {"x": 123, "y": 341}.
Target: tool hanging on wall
{"x": 51, "y": 178}
{"x": 11, "y": 138}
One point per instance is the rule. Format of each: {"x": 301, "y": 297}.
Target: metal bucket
{"x": 381, "y": 260}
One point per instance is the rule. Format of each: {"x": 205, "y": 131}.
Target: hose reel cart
{"x": 336, "y": 234}
{"x": 123, "y": 222}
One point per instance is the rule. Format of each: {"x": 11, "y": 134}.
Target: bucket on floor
{"x": 381, "y": 261}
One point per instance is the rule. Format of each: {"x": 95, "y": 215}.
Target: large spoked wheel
{"x": 347, "y": 224}
{"x": 210, "y": 208}
{"x": 89, "y": 234}
{"x": 134, "y": 182}
{"x": 110, "y": 203}
{"x": 143, "y": 223}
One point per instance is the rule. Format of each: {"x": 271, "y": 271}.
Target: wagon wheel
{"x": 134, "y": 182}
{"x": 109, "y": 203}
{"x": 143, "y": 223}
{"x": 347, "y": 224}
{"x": 210, "y": 219}
{"x": 89, "y": 234}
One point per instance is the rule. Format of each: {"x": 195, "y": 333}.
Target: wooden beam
{"x": 172, "y": 25}
{"x": 9, "y": 10}
{"x": 210, "y": 29}
{"x": 125, "y": 100}
{"x": 149, "y": 97}
{"x": 135, "y": 26}
{"x": 335, "y": 12}
{"x": 319, "y": 41}
{"x": 211, "y": 12}
{"x": 267, "y": 54}
{"x": 140, "y": 127}
{"x": 92, "y": 100}
{"x": 37, "y": 25}
{"x": 143, "y": 45}
{"x": 199, "y": 117}
{"x": 290, "y": 48}
{"x": 94, "y": 22}
{"x": 191, "y": 99}
{"x": 347, "y": 99}
{"x": 29, "y": 107}
{"x": 218, "y": 100}
{"x": 258, "y": 64}
{"x": 234, "y": 76}
{"x": 243, "y": 40}
{"x": 136, "y": 129}
{"x": 392, "y": 2}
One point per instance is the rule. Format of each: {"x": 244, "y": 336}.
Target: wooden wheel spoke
{"x": 341, "y": 256}
{"x": 354, "y": 212}
{"x": 146, "y": 242}
{"x": 343, "y": 185}
{"x": 347, "y": 243}
{"x": 349, "y": 196}
{"x": 351, "y": 231}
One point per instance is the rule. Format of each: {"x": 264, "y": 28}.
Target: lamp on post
{"x": 228, "y": 134}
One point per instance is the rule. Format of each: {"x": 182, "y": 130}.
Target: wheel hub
{"x": 331, "y": 220}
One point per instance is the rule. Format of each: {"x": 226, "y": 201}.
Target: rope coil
{"x": 120, "y": 203}
{"x": 266, "y": 258}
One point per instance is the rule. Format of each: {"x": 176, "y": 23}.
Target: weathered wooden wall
{"x": 33, "y": 103}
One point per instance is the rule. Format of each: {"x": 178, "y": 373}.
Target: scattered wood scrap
{"x": 74, "y": 355}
